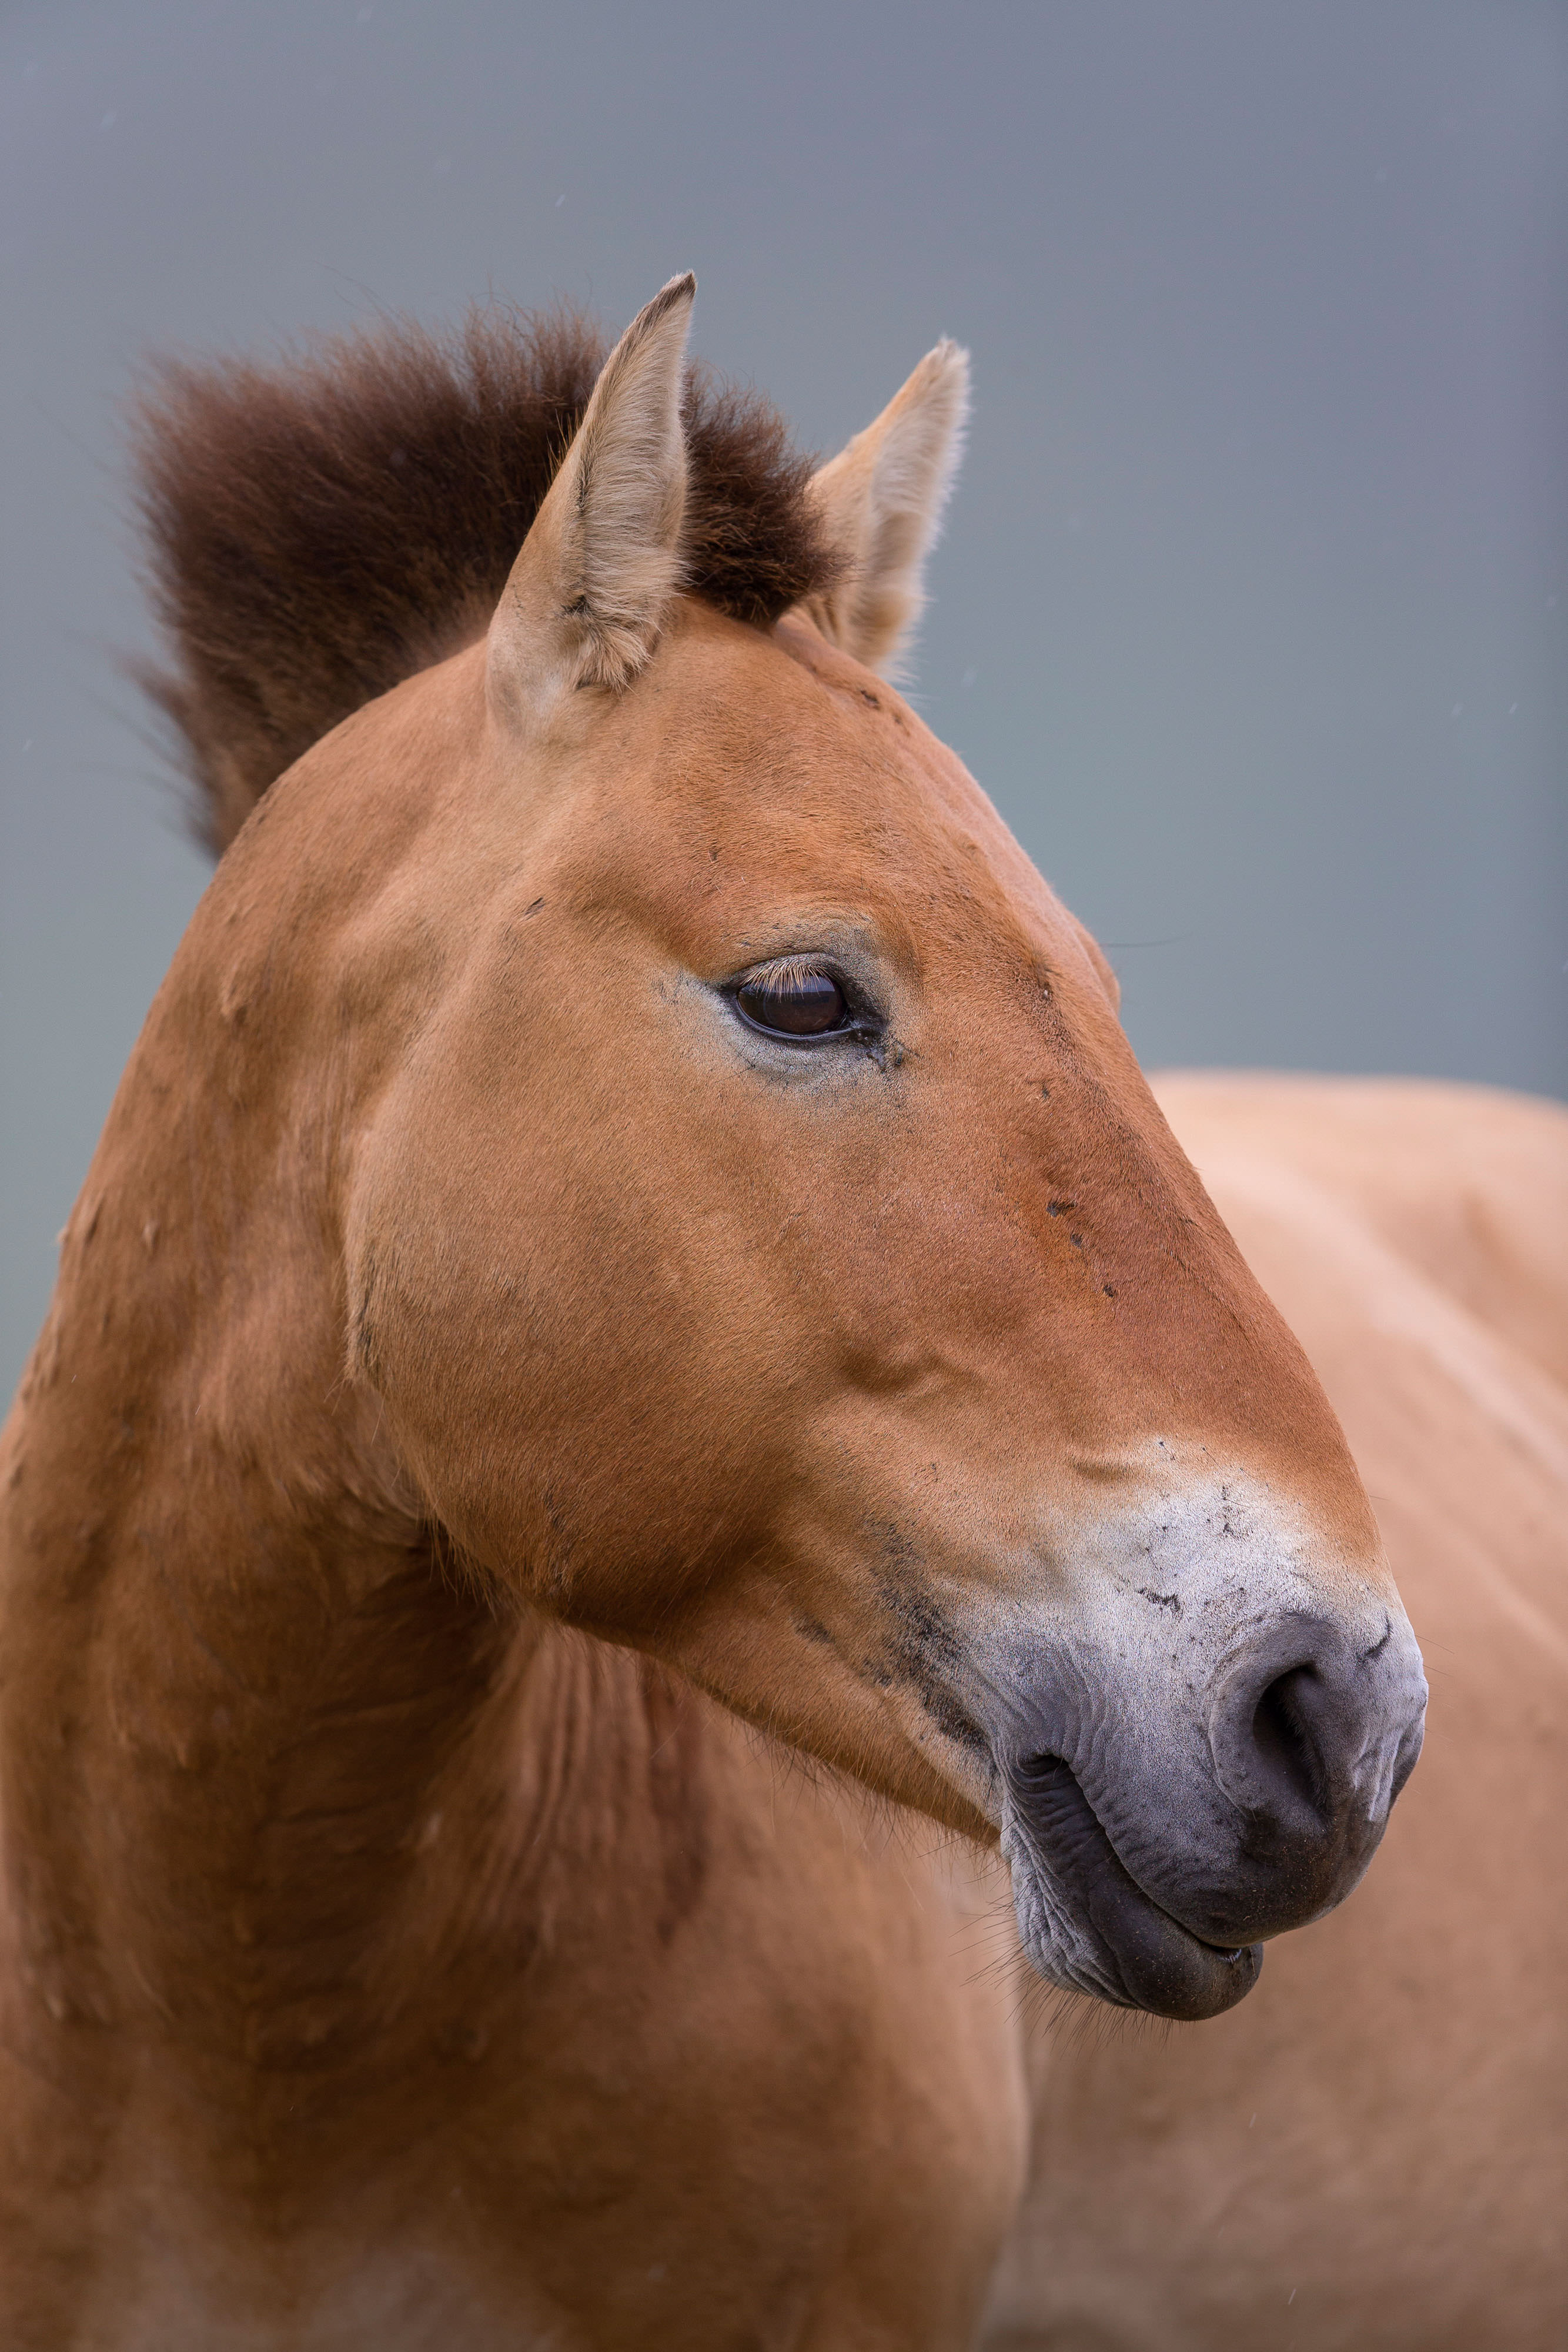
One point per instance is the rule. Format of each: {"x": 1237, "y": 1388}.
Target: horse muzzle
{"x": 1181, "y": 1783}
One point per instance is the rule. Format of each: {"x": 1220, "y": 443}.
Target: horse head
{"x": 760, "y": 1247}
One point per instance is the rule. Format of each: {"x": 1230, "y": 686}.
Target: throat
{"x": 240, "y": 1692}
{"x": 309, "y": 1799}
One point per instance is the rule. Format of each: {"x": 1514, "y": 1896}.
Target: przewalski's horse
{"x": 632, "y": 1194}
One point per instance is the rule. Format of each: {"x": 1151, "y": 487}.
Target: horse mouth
{"x": 1086, "y": 1923}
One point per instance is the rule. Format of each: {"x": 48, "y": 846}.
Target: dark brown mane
{"x": 320, "y": 530}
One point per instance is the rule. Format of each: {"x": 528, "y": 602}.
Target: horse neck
{"x": 235, "y": 1669}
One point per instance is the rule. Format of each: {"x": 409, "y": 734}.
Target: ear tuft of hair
{"x": 318, "y": 531}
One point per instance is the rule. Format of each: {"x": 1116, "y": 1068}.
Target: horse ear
{"x": 881, "y": 500}
{"x": 587, "y": 596}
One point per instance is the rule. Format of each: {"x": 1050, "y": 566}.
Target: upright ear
{"x": 881, "y": 500}
{"x": 587, "y": 596}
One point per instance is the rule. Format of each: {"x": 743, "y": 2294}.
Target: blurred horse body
{"x": 633, "y": 1244}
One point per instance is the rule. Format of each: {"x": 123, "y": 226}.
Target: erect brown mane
{"x": 322, "y": 529}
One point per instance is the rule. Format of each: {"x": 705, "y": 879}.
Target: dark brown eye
{"x": 793, "y": 998}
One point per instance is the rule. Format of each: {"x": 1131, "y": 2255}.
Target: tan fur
{"x": 484, "y": 1379}
{"x": 880, "y": 501}
{"x": 588, "y": 594}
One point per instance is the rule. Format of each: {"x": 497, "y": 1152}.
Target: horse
{"x": 634, "y": 1331}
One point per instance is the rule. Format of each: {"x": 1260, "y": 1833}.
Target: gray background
{"x": 1251, "y": 616}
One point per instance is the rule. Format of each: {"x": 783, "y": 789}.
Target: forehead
{"x": 747, "y": 723}
{"x": 753, "y": 771}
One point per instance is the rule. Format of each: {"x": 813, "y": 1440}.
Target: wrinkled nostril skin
{"x": 1313, "y": 1741}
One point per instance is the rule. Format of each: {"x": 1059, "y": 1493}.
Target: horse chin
{"x": 1085, "y": 1923}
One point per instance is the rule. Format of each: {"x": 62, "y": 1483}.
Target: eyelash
{"x": 787, "y": 970}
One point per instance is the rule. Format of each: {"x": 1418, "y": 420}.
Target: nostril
{"x": 1284, "y": 1738}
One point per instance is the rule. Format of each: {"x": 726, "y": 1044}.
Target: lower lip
{"x": 1151, "y": 1961}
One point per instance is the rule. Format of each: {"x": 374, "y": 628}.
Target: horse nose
{"x": 1312, "y": 1738}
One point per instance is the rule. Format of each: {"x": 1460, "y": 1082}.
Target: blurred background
{"x": 1251, "y": 610}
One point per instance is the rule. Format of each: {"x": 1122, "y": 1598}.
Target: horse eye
{"x": 793, "y": 1003}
